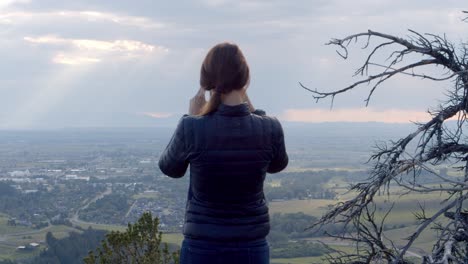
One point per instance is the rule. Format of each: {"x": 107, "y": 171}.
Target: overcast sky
{"x": 124, "y": 63}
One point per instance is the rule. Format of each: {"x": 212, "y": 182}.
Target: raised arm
{"x": 280, "y": 157}
{"x": 173, "y": 161}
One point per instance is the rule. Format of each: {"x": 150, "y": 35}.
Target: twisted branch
{"x": 399, "y": 163}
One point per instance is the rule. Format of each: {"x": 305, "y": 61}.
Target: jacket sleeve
{"x": 173, "y": 161}
{"x": 280, "y": 157}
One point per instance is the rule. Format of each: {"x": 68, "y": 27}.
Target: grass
{"x": 314, "y": 207}
{"x": 406, "y": 206}
{"x": 17, "y": 238}
{"x": 149, "y": 195}
{"x": 171, "y": 238}
{"x": 8, "y": 248}
{"x": 401, "y": 222}
{"x": 309, "y": 260}
{"x": 303, "y": 169}
{"x": 402, "y": 213}
{"x": 6, "y": 229}
{"x": 101, "y": 226}
{"x": 423, "y": 243}
{"x": 13, "y": 254}
{"x": 305, "y": 260}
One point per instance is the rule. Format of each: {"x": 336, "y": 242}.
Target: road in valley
{"x": 76, "y": 216}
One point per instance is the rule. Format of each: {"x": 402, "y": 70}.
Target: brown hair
{"x": 223, "y": 70}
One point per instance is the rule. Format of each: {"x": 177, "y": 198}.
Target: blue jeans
{"x": 208, "y": 252}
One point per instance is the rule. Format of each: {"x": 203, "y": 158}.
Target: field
{"x": 100, "y": 226}
{"x": 399, "y": 224}
{"x": 314, "y": 207}
{"x": 423, "y": 244}
{"x": 402, "y": 213}
{"x": 305, "y": 260}
{"x": 171, "y": 238}
{"x": 149, "y": 195}
{"x": 309, "y": 260}
{"x": 5, "y": 229}
{"x": 9, "y": 242}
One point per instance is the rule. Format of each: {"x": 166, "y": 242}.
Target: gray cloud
{"x": 115, "y": 72}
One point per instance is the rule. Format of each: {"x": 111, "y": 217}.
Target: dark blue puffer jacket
{"x": 229, "y": 152}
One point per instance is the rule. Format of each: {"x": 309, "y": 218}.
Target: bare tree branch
{"x": 398, "y": 164}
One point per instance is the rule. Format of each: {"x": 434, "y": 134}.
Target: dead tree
{"x": 400, "y": 163}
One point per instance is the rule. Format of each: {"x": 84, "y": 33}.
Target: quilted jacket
{"x": 229, "y": 152}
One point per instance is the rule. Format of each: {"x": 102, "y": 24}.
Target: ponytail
{"x": 212, "y": 104}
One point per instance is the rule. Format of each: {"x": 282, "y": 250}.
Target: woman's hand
{"x": 197, "y": 102}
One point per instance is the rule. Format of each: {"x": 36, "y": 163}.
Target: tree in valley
{"x": 399, "y": 164}
{"x": 140, "y": 243}
{"x": 71, "y": 249}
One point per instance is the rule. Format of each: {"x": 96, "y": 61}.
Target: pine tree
{"x": 140, "y": 243}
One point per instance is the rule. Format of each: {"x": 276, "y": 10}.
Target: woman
{"x": 230, "y": 147}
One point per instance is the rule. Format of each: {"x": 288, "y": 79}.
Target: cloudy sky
{"x": 131, "y": 63}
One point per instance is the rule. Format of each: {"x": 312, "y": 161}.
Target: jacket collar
{"x": 233, "y": 110}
